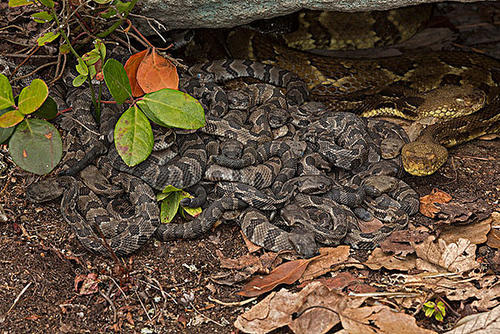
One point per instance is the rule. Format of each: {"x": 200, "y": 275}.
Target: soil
{"x": 169, "y": 287}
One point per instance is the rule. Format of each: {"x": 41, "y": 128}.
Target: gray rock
{"x": 177, "y": 14}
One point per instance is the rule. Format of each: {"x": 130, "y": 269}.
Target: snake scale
{"x": 279, "y": 161}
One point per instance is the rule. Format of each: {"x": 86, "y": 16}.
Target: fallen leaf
{"x": 156, "y": 72}
{"x": 379, "y": 259}
{"x": 322, "y": 264}
{"x": 263, "y": 263}
{"x": 441, "y": 256}
{"x": 86, "y": 284}
{"x": 399, "y": 242}
{"x": 428, "y": 202}
{"x": 480, "y": 323}
{"x": 494, "y": 235}
{"x": 278, "y": 309}
{"x": 475, "y": 233}
{"x": 287, "y": 273}
{"x": 380, "y": 319}
{"x": 131, "y": 67}
{"x": 342, "y": 280}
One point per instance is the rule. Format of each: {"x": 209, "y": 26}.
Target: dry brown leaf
{"x": 494, "y": 235}
{"x": 287, "y": 273}
{"x": 156, "y": 72}
{"x": 489, "y": 293}
{"x": 131, "y": 67}
{"x": 428, "y": 202}
{"x": 379, "y": 259}
{"x": 481, "y": 323}
{"x": 475, "y": 233}
{"x": 398, "y": 242}
{"x": 441, "y": 256}
{"x": 322, "y": 264}
{"x": 277, "y": 310}
{"x": 245, "y": 266}
{"x": 379, "y": 319}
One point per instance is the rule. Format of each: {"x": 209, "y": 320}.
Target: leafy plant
{"x": 35, "y": 145}
{"x": 437, "y": 309}
{"x": 171, "y": 198}
{"x": 148, "y": 84}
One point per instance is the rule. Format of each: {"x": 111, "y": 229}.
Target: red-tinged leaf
{"x": 131, "y": 67}
{"x": 155, "y": 73}
{"x": 287, "y": 273}
{"x": 428, "y": 202}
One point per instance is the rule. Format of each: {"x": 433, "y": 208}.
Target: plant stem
{"x": 119, "y": 22}
{"x": 65, "y": 36}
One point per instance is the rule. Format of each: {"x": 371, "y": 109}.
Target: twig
{"x": 204, "y": 316}
{"x": 384, "y": 294}
{"x": 15, "y": 55}
{"x": 455, "y": 313}
{"x": 19, "y": 296}
{"x": 143, "y": 307}
{"x": 118, "y": 286}
{"x": 111, "y": 304}
{"x": 34, "y": 71}
{"x": 240, "y": 303}
{"x": 33, "y": 50}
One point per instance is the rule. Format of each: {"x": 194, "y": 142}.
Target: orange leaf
{"x": 287, "y": 273}
{"x": 428, "y": 202}
{"x": 131, "y": 67}
{"x": 155, "y": 73}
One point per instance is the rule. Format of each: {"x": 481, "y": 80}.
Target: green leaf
{"x": 429, "y": 312}
{"x": 48, "y": 110}
{"x": 92, "y": 71}
{"x": 36, "y": 146}
{"x": 5, "y": 132}
{"x": 102, "y": 2}
{"x": 79, "y": 80}
{"x": 91, "y": 57}
{"x": 42, "y": 17}
{"x": 17, "y": 3}
{"x": 11, "y": 118}
{"x": 47, "y": 38}
{"x": 430, "y": 304}
{"x": 47, "y": 3}
{"x": 441, "y": 308}
{"x": 169, "y": 206}
{"x": 149, "y": 114}
{"x": 6, "y": 97}
{"x": 101, "y": 48}
{"x": 117, "y": 81}
{"x": 190, "y": 211}
{"x": 438, "y": 316}
{"x": 64, "y": 49}
{"x": 133, "y": 136}
{"x": 167, "y": 190}
{"x": 81, "y": 67}
{"x": 174, "y": 108}
{"x": 33, "y": 96}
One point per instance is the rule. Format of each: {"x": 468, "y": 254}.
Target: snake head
{"x": 423, "y": 159}
{"x": 44, "y": 191}
{"x": 304, "y": 244}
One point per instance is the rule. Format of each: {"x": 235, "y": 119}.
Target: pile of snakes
{"x": 292, "y": 174}
{"x": 288, "y": 159}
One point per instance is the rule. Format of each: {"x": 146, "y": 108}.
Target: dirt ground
{"x": 49, "y": 283}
